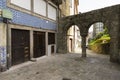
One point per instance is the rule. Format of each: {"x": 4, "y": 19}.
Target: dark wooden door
{"x": 20, "y": 40}
{"x": 71, "y": 45}
{"x": 39, "y": 44}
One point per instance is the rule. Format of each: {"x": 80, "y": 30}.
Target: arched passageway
{"x": 73, "y": 39}
{"x": 98, "y": 39}
{"x": 109, "y": 16}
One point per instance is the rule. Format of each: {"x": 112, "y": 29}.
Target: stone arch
{"x": 109, "y": 16}
{"x": 65, "y": 30}
{"x": 67, "y": 26}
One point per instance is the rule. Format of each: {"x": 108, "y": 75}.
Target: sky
{"x": 88, "y": 5}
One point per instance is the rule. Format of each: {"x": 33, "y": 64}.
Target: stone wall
{"x": 110, "y": 16}
{"x": 65, "y": 8}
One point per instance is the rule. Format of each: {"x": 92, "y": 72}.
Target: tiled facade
{"x": 30, "y": 22}
{"x": 27, "y": 19}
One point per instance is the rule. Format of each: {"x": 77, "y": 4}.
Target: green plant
{"x": 100, "y": 43}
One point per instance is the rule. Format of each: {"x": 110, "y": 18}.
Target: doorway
{"x": 39, "y": 44}
{"x": 20, "y": 43}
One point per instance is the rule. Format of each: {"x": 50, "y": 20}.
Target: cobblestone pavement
{"x": 65, "y": 67}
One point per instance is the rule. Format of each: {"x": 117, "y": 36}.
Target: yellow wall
{"x": 2, "y": 35}
{"x": 3, "y": 53}
{"x": 65, "y": 8}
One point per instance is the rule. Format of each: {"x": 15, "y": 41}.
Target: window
{"x": 22, "y": 3}
{"x": 40, "y": 7}
{"x": 51, "y": 38}
{"x": 52, "y": 12}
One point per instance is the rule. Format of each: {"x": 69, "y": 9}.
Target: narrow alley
{"x": 65, "y": 67}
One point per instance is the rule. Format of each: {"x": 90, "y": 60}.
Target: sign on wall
{"x": 7, "y": 14}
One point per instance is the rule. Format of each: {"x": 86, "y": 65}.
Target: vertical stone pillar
{"x": 9, "y": 57}
{"x": 83, "y": 33}
{"x": 3, "y": 47}
{"x": 31, "y": 44}
{"x": 83, "y": 46}
{"x": 61, "y": 41}
{"x": 114, "y": 43}
{"x": 46, "y": 42}
{"x": 114, "y": 51}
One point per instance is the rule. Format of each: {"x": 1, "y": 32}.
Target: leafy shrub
{"x": 100, "y": 43}
{"x": 101, "y": 38}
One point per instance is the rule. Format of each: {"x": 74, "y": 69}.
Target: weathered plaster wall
{"x": 3, "y": 49}
{"x": 65, "y": 8}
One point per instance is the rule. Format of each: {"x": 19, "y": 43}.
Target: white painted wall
{"x": 52, "y": 12}
{"x": 22, "y": 3}
{"x": 49, "y": 49}
{"x": 40, "y": 7}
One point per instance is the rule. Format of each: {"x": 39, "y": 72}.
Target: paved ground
{"x": 63, "y": 66}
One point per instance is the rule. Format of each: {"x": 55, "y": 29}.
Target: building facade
{"x": 28, "y": 30}
{"x": 73, "y": 35}
{"x": 65, "y": 8}
{"x": 97, "y": 28}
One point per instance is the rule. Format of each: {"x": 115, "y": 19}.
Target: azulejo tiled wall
{"x": 27, "y": 19}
